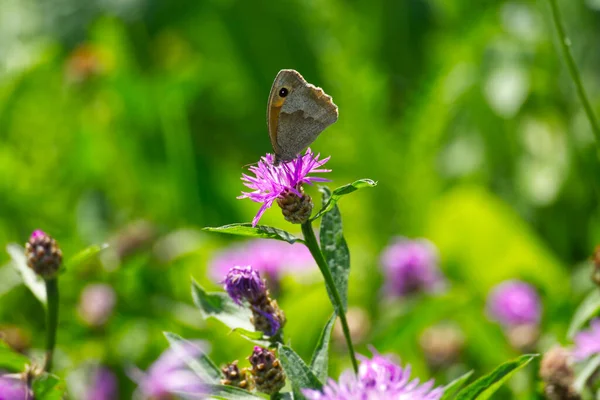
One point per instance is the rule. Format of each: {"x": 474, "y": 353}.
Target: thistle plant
{"x": 44, "y": 257}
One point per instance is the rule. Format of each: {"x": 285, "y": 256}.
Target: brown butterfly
{"x": 297, "y": 113}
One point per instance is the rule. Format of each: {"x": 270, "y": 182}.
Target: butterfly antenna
{"x": 249, "y": 165}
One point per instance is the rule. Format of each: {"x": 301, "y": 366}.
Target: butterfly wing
{"x": 298, "y": 118}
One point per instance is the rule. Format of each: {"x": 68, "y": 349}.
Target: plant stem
{"x": 315, "y": 250}
{"x": 51, "y": 320}
{"x": 566, "y": 47}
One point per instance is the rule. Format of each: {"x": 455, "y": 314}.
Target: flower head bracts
{"x": 244, "y": 283}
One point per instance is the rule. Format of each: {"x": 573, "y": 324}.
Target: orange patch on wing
{"x": 273, "y": 122}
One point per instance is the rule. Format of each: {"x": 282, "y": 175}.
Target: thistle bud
{"x": 442, "y": 344}
{"x": 234, "y": 377}
{"x": 295, "y": 209}
{"x": 43, "y": 254}
{"x": 244, "y": 283}
{"x": 267, "y": 371}
{"x": 267, "y": 317}
{"x": 556, "y": 370}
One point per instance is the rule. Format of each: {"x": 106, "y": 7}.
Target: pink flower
{"x": 272, "y": 181}
{"x": 170, "y": 374}
{"x": 411, "y": 266}
{"x": 377, "y": 378}
{"x": 513, "y": 303}
{"x": 587, "y": 343}
{"x": 269, "y": 257}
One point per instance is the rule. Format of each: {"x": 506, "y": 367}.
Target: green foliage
{"x": 202, "y": 365}
{"x": 330, "y": 199}
{"x": 334, "y": 247}
{"x": 588, "y": 308}
{"x": 255, "y": 232}
{"x": 320, "y": 360}
{"x": 49, "y": 387}
{"x": 463, "y": 112}
{"x": 453, "y": 387}
{"x": 296, "y": 370}
{"x": 10, "y": 360}
{"x": 219, "y": 305}
{"x": 487, "y": 385}
{"x": 33, "y": 282}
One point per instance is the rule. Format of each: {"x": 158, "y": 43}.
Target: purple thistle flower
{"x": 170, "y": 374}
{"x": 13, "y": 389}
{"x": 103, "y": 386}
{"x": 513, "y": 303}
{"x": 411, "y": 266}
{"x": 269, "y": 257}
{"x": 37, "y": 234}
{"x": 272, "y": 181}
{"x": 97, "y": 303}
{"x": 587, "y": 343}
{"x": 377, "y": 378}
{"x": 244, "y": 283}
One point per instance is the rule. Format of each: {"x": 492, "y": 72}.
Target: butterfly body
{"x": 297, "y": 113}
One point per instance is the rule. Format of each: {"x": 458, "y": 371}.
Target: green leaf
{"x": 320, "y": 358}
{"x": 219, "y": 305}
{"x": 252, "y": 335}
{"x": 334, "y": 248}
{"x": 485, "y": 386}
{"x": 588, "y": 308}
{"x": 226, "y": 393}
{"x": 297, "y": 371}
{"x": 30, "y": 279}
{"x": 85, "y": 255}
{"x": 454, "y": 386}
{"x": 259, "y": 231}
{"x": 342, "y": 191}
{"x": 11, "y": 360}
{"x": 49, "y": 387}
{"x": 201, "y": 364}
{"x": 466, "y": 224}
{"x": 589, "y": 367}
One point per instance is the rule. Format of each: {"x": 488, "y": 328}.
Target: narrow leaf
{"x": 320, "y": 358}
{"x": 219, "y": 305}
{"x": 588, "y": 308}
{"x": 342, "y": 191}
{"x": 334, "y": 248}
{"x": 297, "y": 371}
{"x": 85, "y": 255}
{"x": 454, "y": 386}
{"x": 221, "y": 392}
{"x": 201, "y": 364}
{"x": 11, "y": 360}
{"x": 49, "y": 387}
{"x": 485, "y": 386}
{"x": 259, "y": 231}
{"x": 252, "y": 335}
{"x": 30, "y": 279}
{"x": 589, "y": 367}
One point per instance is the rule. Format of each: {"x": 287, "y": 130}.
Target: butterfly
{"x": 297, "y": 112}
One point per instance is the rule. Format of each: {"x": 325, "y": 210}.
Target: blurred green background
{"x": 130, "y": 122}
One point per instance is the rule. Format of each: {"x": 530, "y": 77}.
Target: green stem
{"x": 51, "y": 320}
{"x": 315, "y": 250}
{"x": 566, "y": 48}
